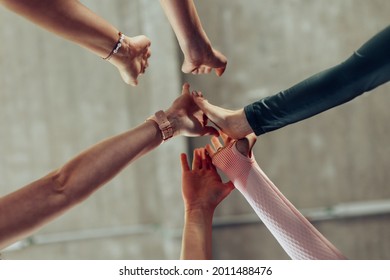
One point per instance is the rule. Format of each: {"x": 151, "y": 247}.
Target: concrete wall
{"x": 340, "y": 156}
{"x": 57, "y": 99}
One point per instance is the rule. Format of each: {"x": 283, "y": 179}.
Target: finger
{"x": 133, "y": 82}
{"x": 223, "y": 134}
{"x": 149, "y": 43}
{"x": 213, "y": 167}
{"x": 214, "y": 113}
{"x": 210, "y": 150}
{"x": 225, "y": 138}
{"x": 207, "y": 70}
{"x": 229, "y": 186}
{"x": 184, "y": 163}
{"x": 195, "y": 71}
{"x": 220, "y": 71}
{"x": 202, "y": 69}
{"x": 252, "y": 138}
{"x": 143, "y": 68}
{"x": 197, "y": 161}
{"x": 148, "y": 54}
{"x": 209, "y": 161}
{"x": 216, "y": 143}
{"x": 185, "y": 88}
{"x": 187, "y": 67}
{"x": 202, "y": 103}
{"x": 219, "y": 63}
{"x": 202, "y": 152}
{"x": 196, "y": 93}
{"x": 205, "y": 119}
{"x": 210, "y": 130}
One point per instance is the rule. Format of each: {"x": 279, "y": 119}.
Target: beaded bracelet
{"x": 117, "y": 46}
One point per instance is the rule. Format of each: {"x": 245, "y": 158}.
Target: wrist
{"x": 123, "y": 52}
{"x": 201, "y": 215}
{"x": 163, "y": 124}
{"x": 239, "y": 124}
{"x": 174, "y": 119}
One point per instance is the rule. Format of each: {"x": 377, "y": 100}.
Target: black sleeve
{"x": 366, "y": 69}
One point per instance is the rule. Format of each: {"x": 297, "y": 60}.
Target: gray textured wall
{"x": 57, "y": 99}
{"x": 340, "y": 156}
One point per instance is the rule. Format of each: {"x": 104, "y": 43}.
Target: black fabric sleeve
{"x": 366, "y": 69}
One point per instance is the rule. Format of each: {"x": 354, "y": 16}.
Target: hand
{"x": 233, "y": 123}
{"x": 243, "y": 145}
{"x": 202, "y": 59}
{"x": 132, "y": 61}
{"x": 186, "y": 117}
{"x": 199, "y": 56}
{"x": 202, "y": 187}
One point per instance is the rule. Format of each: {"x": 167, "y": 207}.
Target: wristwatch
{"x": 163, "y": 123}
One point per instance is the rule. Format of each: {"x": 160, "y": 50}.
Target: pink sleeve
{"x": 298, "y": 237}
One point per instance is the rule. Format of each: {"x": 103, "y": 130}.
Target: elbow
{"x": 69, "y": 187}
{"x": 60, "y": 189}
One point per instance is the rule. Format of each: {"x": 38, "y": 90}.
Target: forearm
{"x": 103, "y": 161}
{"x": 184, "y": 20}
{"x": 48, "y": 197}
{"x": 197, "y": 235}
{"x": 34, "y": 205}
{"x": 69, "y": 19}
{"x": 293, "y": 231}
{"x": 366, "y": 69}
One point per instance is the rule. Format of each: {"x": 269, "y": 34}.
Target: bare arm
{"x": 197, "y": 235}
{"x": 202, "y": 190}
{"x": 75, "y": 22}
{"x": 32, "y": 206}
{"x": 199, "y": 56}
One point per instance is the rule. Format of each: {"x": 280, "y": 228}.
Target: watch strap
{"x": 163, "y": 123}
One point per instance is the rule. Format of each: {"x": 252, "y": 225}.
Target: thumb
{"x": 219, "y": 62}
{"x": 202, "y": 103}
{"x": 220, "y": 71}
{"x": 230, "y": 186}
{"x": 188, "y": 67}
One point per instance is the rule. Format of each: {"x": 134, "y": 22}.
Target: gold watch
{"x": 163, "y": 123}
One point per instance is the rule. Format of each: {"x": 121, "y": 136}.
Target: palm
{"x": 192, "y": 121}
{"x": 202, "y": 186}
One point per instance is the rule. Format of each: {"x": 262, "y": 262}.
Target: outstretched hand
{"x": 202, "y": 187}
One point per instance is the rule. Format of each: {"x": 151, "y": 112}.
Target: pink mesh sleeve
{"x": 298, "y": 237}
